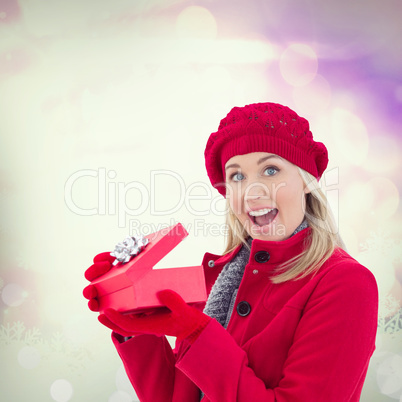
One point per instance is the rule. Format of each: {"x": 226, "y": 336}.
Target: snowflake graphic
{"x": 388, "y": 306}
{"x": 381, "y": 242}
{"x": 76, "y": 358}
{"x": 11, "y": 333}
{"x": 389, "y": 316}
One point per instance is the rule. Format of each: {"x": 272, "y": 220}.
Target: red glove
{"x": 182, "y": 321}
{"x": 102, "y": 264}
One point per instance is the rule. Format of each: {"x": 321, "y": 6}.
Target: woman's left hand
{"x": 181, "y": 320}
{"x": 102, "y": 264}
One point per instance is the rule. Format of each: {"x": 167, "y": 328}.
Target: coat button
{"x": 211, "y": 263}
{"x": 243, "y": 308}
{"x": 261, "y": 256}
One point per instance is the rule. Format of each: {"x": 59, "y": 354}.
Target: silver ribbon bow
{"x": 128, "y": 248}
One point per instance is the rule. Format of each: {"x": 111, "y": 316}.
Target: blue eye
{"x": 271, "y": 171}
{"x": 237, "y": 177}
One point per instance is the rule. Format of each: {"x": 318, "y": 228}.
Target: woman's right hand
{"x": 102, "y": 264}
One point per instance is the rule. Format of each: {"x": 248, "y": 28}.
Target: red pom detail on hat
{"x": 263, "y": 127}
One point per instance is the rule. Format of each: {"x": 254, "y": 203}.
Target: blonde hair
{"x": 318, "y": 247}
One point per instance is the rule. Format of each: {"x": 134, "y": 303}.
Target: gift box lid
{"x": 123, "y": 275}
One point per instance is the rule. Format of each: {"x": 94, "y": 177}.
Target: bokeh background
{"x": 105, "y": 110}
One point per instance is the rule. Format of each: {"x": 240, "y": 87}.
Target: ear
{"x": 310, "y": 186}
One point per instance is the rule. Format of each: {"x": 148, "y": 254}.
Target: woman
{"x": 290, "y": 315}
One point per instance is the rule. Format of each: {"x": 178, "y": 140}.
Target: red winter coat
{"x": 305, "y": 340}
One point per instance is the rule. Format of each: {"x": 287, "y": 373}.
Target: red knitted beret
{"x": 263, "y": 127}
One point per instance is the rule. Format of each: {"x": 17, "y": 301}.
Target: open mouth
{"x": 263, "y": 217}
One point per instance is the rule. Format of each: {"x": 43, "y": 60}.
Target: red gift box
{"x": 132, "y": 286}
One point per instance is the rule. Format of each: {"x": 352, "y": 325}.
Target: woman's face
{"x": 266, "y": 193}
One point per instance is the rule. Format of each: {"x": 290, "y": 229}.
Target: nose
{"x": 256, "y": 190}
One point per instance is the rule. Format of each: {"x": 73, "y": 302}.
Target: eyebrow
{"x": 235, "y": 165}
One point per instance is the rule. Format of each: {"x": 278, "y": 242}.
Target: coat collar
{"x": 279, "y": 251}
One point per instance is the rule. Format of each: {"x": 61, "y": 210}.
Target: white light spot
{"x": 386, "y": 197}
{"x": 3, "y": 15}
{"x": 61, "y": 390}
{"x": 298, "y": 64}
{"x": 384, "y": 154}
{"x": 13, "y": 295}
{"x": 313, "y": 98}
{"x": 120, "y": 396}
{"x": 389, "y": 376}
{"x": 196, "y": 22}
{"x": 123, "y": 385}
{"x": 28, "y": 357}
{"x": 357, "y": 199}
{"x": 350, "y": 136}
